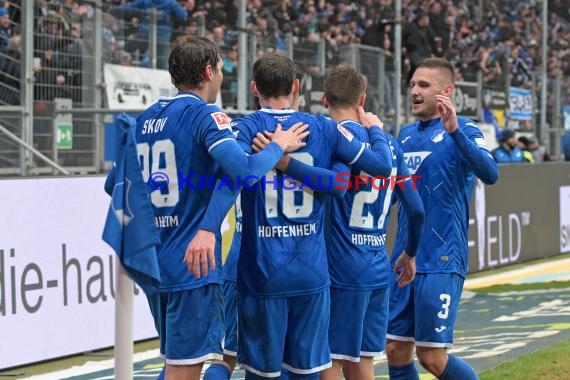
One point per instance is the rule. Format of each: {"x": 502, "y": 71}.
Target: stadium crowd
{"x": 501, "y": 39}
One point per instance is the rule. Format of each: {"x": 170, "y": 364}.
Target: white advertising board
{"x": 135, "y": 87}
{"x": 56, "y": 274}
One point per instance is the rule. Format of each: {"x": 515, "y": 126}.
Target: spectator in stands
{"x": 508, "y": 152}
{"x": 524, "y": 144}
{"x": 538, "y": 151}
{"x": 167, "y": 11}
{"x": 418, "y": 38}
{"x": 10, "y": 71}
{"x": 229, "y": 83}
{"x": 439, "y": 25}
{"x": 5, "y": 27}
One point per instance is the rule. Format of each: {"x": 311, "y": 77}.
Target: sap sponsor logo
{"x": 564, "y": 219}
{"x": 414, "y": 160}
{"x": 499, "y": 237}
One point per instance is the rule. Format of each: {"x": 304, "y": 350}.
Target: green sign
{"x": 64, "y": 136}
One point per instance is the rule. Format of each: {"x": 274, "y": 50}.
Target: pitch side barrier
{"x": 524, "y": 216}
{"x": 57, "y": 276}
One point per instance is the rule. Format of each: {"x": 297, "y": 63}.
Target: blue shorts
{"x": 190, "y": 324}
{"x": 230, "y": 318}
{"x": 358, "y": 323}
{"x": 287, "y": 332}
{"x": 424, "y": 312}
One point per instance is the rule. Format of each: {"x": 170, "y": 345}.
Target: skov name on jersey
{"x": 153, "y": 125}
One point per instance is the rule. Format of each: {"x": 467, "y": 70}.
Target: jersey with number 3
{"x": 282, "y": 248}
{"x": 174, "y": 137}
{"x": 356, "y": 233}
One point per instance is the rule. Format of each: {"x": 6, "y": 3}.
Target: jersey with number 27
{"x": 174, "y": 137}
{"x": 356, "y": 233}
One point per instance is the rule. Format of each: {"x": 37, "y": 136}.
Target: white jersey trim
{"x": 179, "y": 96}
{"x": 230, "y": 353}
{"x": 362, "y": 147}
{"x": 369, "y": 354}
{"x": 345, "y": 357}
{"x": 260, "y": 373}
{"x": 307, "y": 371}
{"x": 218, "y": 143}
{"x": 210, "y": 356}
{"x": 400, "y": 338}
{"x": 433, "y": 344}
{"x": 271, "y": 110}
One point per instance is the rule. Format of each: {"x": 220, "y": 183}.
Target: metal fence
{"x": 56, "y": 57}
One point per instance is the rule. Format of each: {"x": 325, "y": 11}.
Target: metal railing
{"x": 63, "y": 58}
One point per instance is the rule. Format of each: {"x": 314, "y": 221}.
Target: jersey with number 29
{"x": 174, "y": 137}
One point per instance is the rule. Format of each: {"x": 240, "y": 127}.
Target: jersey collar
{"x": 268, "y": 109}
{"x": 428, "y": 123}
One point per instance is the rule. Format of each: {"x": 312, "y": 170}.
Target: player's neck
{"x": 280, "y": 103}
{"x": 201, "y": 92}
{"x": 339, "y": 114}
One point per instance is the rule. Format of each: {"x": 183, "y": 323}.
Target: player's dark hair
{"x": 189, "y": 58}
{"x": 343, "y": 86}
{"x": 274, "y": 75}
{"x": 439, "y": 63}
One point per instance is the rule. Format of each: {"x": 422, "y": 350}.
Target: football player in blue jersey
{"x": 358, "y": 262}
{"x": 181, "y": 141}
{"x": 447, "y": 151}
{"x": 282, "y": 275}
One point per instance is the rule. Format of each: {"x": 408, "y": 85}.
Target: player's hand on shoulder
{"x": 406, "y": 266}
{"x": 368, "y": 119}
{"x": 200, "y": 253}
{"x": 261, "y": 141}
{"x": 448, "y": 114}
{"x": 291, "y": 139}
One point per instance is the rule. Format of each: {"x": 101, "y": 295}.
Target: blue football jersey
{"x": 174, "y": 137}
{"x": 230, "y": 265}
{"x": 445, "y": 187}
{"x": 356, "y": 233}
{"x": 282, "y": 248}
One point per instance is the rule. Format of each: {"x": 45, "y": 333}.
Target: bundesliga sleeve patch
{"x": 480, "y": 142}
{"x": 222, "y": 120}
{"x": 345, "y": 132}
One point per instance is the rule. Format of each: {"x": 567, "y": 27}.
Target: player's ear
{"x": 253, "y": 88}
{"x": 362, "y": 100}
{"x": 325, "y": 101}
{"x": 208, "y": 73}
{"x": 296, "y": 86}
{"x": 448, "y": 90}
